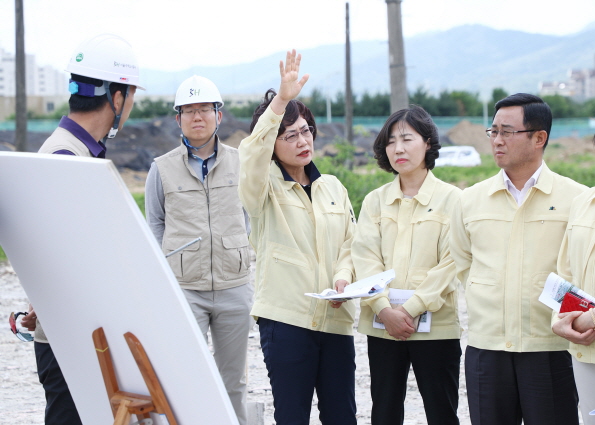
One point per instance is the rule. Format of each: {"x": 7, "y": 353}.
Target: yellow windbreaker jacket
{"x": 301, "y": 246}
{"x": 412, "y": 237}
{"x": 576, "y": 262}
{"x": 504, "y": 253}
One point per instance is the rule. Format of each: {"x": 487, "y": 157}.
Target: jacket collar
{"x": 544, "y": 183}
{"x": 423, "y": 196}
{"x": 278, "y": 171}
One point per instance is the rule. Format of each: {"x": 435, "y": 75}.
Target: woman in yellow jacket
{"x": 576, "y": 263}
{"x": 404, "y": 225}
{"x": 302, "y": 227}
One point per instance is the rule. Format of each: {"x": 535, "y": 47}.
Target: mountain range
{"x": 470, "y": 57}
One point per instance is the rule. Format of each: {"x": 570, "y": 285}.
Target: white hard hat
{"x": 106, "y": 57}
{"x": 197, "y": 90}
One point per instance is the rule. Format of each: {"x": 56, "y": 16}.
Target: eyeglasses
{"x": 292, "y": 136}
{"x": 201, "y": 111}
{"x": 505, "y": 134}
{"x": 12, "y": 320}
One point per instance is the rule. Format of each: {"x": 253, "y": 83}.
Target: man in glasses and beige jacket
{"x": 505, "y": 237}
{"x": 191, "y": 193}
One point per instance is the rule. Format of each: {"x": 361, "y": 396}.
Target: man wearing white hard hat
{"x": 104, "y": 77}
{"x": 192, "y": 192}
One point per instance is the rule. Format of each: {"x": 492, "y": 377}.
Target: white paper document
{"x": 554, "y": 290}
{"x": 398, "y": 297}
{"x": 362, "y": 288}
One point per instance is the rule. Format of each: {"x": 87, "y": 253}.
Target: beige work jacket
{"x": 61, "y": 139}
{"x": 504, "y": 253}
{"x": 301, "y": 245}
{"x": 576, "y": 262}
{"x": 412, "y": 237}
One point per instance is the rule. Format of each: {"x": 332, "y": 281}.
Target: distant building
{"x": 47, "y": 87}
{"x": 41, "y": 80}
{"x": 580, "y": 85}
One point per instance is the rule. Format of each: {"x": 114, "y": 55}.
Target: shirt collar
{"x": 423, "y": 196}
{"x": 96, "y": 148}
{"x": 310, "y": 169}
{"x": 531, "y": 182}
{"x": 191, "y": 153}
{"x": 545, "y": 180}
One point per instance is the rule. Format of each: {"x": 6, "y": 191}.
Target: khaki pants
{"x": 227, "y": 314}
{"x": 584, "y": 375}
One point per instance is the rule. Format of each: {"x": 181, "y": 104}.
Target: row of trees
{"x": 456, "y": 103}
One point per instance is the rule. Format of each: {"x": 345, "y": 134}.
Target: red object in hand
{"x": 573, "y": 302}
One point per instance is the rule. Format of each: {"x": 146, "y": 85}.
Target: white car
{"x": 458, "y": 156}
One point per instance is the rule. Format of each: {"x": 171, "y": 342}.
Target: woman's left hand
{"x": 291, "y": 85}
{"x": 339, "y": 287}
{"x": 564, "y": 328}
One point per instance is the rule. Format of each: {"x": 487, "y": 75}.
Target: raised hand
{"x": 291, "y": 85}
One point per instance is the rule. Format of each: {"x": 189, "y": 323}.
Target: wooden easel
{"x": 125, "y": 404}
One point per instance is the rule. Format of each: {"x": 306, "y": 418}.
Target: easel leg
{"x": 146, "y": 369}
{"x": 122, "y": 415}
{"x": 106, "y": 364}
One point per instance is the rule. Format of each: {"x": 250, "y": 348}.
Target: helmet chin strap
{"x": 114, "y": 130}
{"x": 189, "y": 146}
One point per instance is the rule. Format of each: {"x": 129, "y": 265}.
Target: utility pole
{"x": 20, "y": 78}
{"x": 399, "y": 98}
{"x": 348, "y": 94}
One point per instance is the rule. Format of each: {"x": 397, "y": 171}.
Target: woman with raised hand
{"x": 404, "y": 225}
{"x": 302, "y": 225}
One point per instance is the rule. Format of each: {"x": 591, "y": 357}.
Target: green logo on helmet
{"x": 79, "y": 57}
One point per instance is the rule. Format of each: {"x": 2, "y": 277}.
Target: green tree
{"x": 468, "y": 104}
{"x": 447, "y": 105}
{"x": 497, "y": 94}
{"x": 316, "y": 103}
{"x": 562, "y": 106}
{"x": 245, "y": 111}
{"x": 588, "y": 108}
{"x": 373, "y": 106}
{"x": 421, "y": 98}
{"x": 338, "y": 105}
{"x": 148, "y": 108}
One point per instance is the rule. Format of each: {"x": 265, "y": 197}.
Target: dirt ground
{"x": 22, "y": 398}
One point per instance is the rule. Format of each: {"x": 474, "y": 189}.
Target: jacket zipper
{"x": 210, "y": 229}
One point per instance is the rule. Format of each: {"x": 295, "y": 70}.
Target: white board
{"x": 87, "y": 259}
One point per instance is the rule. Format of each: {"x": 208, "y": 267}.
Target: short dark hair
{"x": 537, "y": 114}
{"x": 78, "y": 103}
{"x": 421, "y": 122}
{"x": 293, "y": 111}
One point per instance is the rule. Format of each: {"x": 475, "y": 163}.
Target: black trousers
{"x": 436, "y": 364}
{"x": 301, "y": 360}
{"x": 60, "y": 408}
{"x": 506, "y": 388}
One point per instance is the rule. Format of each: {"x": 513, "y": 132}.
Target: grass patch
{"x": 2, "y": 255}
{"x": 140, "y": 201}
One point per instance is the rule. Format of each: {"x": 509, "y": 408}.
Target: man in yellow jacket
{"x": 505, "y": 236}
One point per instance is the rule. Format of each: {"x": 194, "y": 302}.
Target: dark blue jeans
{"x": 300, "y": 360}
{"x": 60, "y": 408}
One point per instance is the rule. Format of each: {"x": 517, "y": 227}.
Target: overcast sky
{"x": 177, "y": 34}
